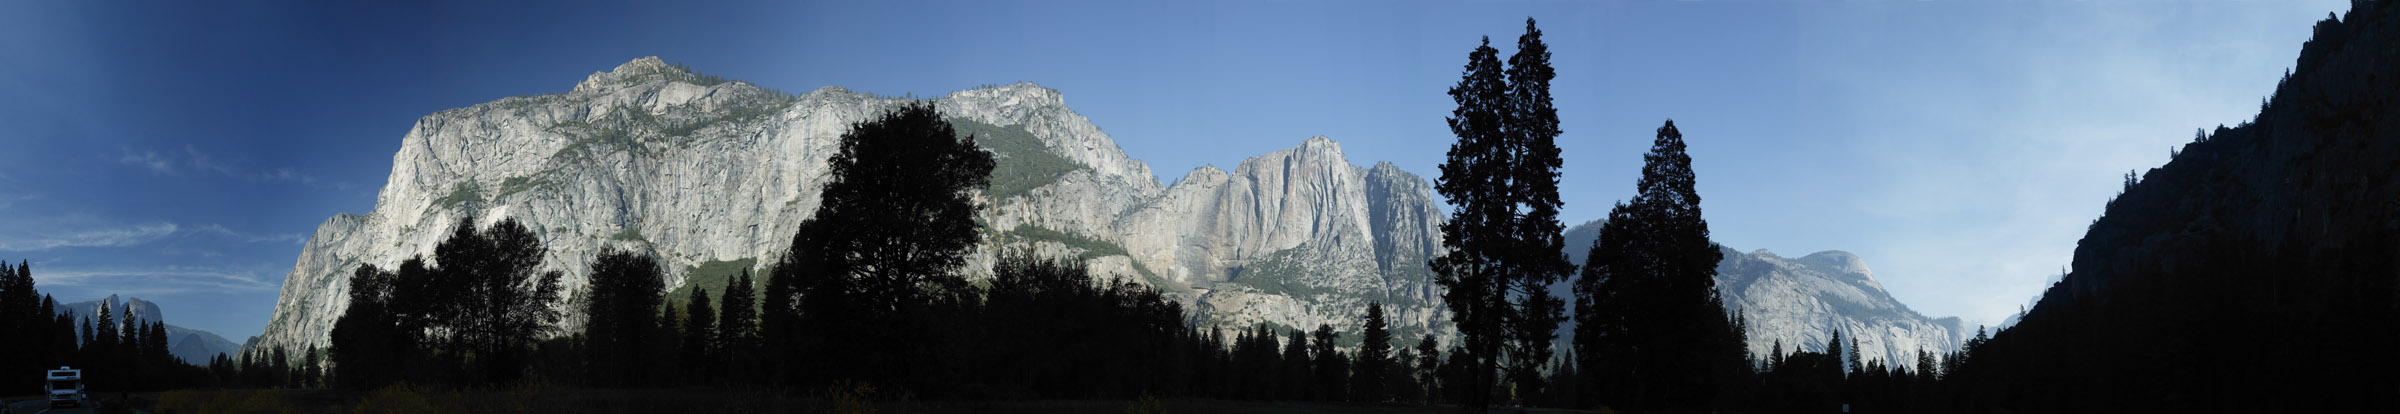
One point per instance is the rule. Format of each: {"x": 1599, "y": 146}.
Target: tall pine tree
{"x": 1652, "y": 332}
{"x": 699, "y": 352}
{"x": 737, "y": 334}
{"x": 621, "y": 317}
{"x": 1374, "y": 357}
{"x": 1503, "y": 239}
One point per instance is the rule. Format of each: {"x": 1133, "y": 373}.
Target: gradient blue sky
{"x": 182, "y": 152}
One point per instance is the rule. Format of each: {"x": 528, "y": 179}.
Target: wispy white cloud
{"x": 159, "y": 279}
{"x": 98, "y": 236}
{"x": 194, "y": 160}
{"x": 83, "y": 231}
{"x": 146, "y": 159}
{"x": 220, "y": 230}
{"x": 12, "y": 192}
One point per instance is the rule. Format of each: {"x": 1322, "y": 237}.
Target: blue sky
{"x": 182, "y": 153}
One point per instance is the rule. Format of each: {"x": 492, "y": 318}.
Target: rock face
{"x": 1802, "y": 301}
{"x": 701, "y": 172}
{"x": 190, "y": 345}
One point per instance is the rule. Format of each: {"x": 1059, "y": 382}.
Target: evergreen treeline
{"x": 116, "y": 354}
{"x": 472, "y": 319}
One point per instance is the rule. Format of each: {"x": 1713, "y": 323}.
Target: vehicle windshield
{"x": 62, "y": 385}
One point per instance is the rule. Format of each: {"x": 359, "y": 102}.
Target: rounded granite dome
{"x": 1841, "y": 261}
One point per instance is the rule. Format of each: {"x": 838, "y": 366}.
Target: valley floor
{"x": 682, "y": 400}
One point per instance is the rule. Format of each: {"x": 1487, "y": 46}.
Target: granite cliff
{"x": 712, "y": 176}
{"x": 1802, "y": 301}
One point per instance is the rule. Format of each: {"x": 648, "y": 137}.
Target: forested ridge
{"x": 2255, "y": 270}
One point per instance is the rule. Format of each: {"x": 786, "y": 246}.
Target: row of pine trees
{"x": 117, "y": 353}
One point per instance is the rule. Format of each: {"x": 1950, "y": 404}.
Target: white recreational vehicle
{"x": 66, "y": 388}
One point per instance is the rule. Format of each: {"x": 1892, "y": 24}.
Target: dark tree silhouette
{"x": 1333, "y": 371}
{"x": 622, "y": 315}
{"x": 1429, "y": 359}
{"x": 1502, "y": 241}
{"x": 508, "y": 302}
{"x": 699, "y": 352}
{"x": 1374, "y": 357}
{"x": 1296, "y": 368}
{"x": 1652, "y": 332}
{"x": 1532, "y": 130}
{"x": 476, "y": 316}
{"x": 737, "y": 331}
{"x": 895, "y": 222}
{"x": 1470, "y": 271}
{"x": 103, "y": 348}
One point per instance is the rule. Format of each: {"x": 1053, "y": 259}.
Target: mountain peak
{"x": 1321, "y": 140}
{"x": 1019, "y": 89}
{"x": 1320, "y": 146}
{"x": 644, "y": 66}
{"x": 1843, "y": 262}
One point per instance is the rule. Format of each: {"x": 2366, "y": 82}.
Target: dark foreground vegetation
{"x": 535, "y": 398}
{"x": 116, "y": 353}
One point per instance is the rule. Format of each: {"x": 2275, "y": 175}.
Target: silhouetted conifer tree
{"x": 699, "y": 352}
{"x": 1651, "y": 331}
{"x": 1502, "y": 240}
{"x": 622, "y": 316}
{"x": 1333, "y": 371}
{"x": 737, "y": 334}
{"x": 1374, "y": 357}
{"x": 1296, "y": 367}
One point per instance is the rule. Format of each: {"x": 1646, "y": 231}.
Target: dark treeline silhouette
{"x": 115, "y": 353}
{"x": 473, "y": 319}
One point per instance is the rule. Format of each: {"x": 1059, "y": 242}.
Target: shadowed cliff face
{"x": 1802, "y": 301}
{"x": 711, "y": 176}
{"x": 2255, "y": 269}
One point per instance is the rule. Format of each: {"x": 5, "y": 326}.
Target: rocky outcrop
{"x": 699, "y": 171}
{"x": 1801, "y": 302}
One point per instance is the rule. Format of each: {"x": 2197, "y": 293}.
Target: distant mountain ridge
{"x": 713, "y": 176}
{"x": 190, "y": 345}
{"x": 1802, "y": 301}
